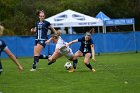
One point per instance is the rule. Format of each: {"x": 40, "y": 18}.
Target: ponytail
{"x": 58, "y": 33}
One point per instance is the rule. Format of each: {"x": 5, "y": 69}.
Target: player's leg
{"x": 87, "y": 61}
{"x": 53, "y": 58}
{"x": 0, "y": 68}
{"x": 75, "y": 60}
{"x": 43, "y": 57}
{"x": 37, "y": 50}
{"x": 67, "y": 52}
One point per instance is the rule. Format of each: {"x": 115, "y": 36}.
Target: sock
{"x": 89, "y": 66}
{"x": 0, "y": 68}
{"x": 36, "y": 60}
{"x": 75, "y": 63}
{"x": 43, "y": 57}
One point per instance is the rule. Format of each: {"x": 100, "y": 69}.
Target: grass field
{"x": 116, "y": 73}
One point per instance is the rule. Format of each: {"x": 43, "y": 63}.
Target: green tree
{"x": 18, "y": 16}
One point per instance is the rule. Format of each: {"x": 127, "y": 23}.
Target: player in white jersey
{"x": 66, "y": 51}
{"x": 60, "y": 50}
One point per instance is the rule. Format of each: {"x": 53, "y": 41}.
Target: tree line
{"x": 18, "y": 16}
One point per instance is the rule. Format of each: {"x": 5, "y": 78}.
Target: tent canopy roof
{"x": 71, "y": 18}
{"x": 102, "y": 16}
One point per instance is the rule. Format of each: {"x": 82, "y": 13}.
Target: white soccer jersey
{"x": 60, "y": 43}
{"x": 66, "y": 51}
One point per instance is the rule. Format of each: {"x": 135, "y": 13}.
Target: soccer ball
{"x": 68, "y": 65}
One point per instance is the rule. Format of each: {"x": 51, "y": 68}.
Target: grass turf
{"x": 117, "y": 73}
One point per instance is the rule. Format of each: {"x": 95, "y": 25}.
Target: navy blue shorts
{"x": 41, "y": 42}
{"x": 84, "y": 53}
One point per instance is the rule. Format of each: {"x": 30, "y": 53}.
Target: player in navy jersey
{"x": 41, "y": 29}
{"x": 86, "y": 49}
{"x": 4, "y": 48}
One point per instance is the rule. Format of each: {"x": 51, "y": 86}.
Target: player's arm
{"x": 33, "y": 29}
{"x": 74, "y": 41}
{"x": 48, "y": 41}
{"x": 52, "y": 29}
{"x": 11, "y": 55}
{"x": 54, "y": 56}
{"x": 93, "y": 52}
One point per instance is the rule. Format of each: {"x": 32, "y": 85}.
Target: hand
{"x": 93, "y": 59}
{"x": 20, "y": 68}
{"x": 47, "y": 42}
{"x": 33, "y": 30}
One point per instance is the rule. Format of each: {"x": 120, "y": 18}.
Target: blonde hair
{"x": 56, "y": 35}
{"x": 92, "y": 31}
{"x": 1, "y": 29}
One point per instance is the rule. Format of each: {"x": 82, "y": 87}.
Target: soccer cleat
{"x": 71, "y": 70}
{"x": 33, "y": 70}
{"x": 93, "y": 70}
{"x": 50, "y": 62}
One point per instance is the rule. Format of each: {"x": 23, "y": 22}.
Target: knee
{"x": 75, "y": 57}
{"x": 85, "y": 62}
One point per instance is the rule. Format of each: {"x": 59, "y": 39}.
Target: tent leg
{"x": 134, "y": 27}
{"x": 103, "y": 28}
{"x": 98, "y": 29}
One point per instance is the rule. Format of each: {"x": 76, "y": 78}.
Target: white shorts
{"x": 67, "y": 52}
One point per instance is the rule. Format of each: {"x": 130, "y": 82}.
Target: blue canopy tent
{"x": 103, "y": 17}
{"x": 122, "y": 21}
{"x": 114, "y": 22}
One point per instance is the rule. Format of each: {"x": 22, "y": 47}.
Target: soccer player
{"x": 86, "y": 49}
{"x": 5, "y": 48}
{"x": 41, "y": 29}
{"x": 60, "y": 49}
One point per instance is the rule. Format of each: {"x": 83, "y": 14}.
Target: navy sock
{"x": 36, "y": 60}
{"x": 0, "y": 68}
{"x": 43, "y": 57}
{"x": 75, "y": 63}
{"x": 0, "y": 65}
{"x": 89, "y": 66}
